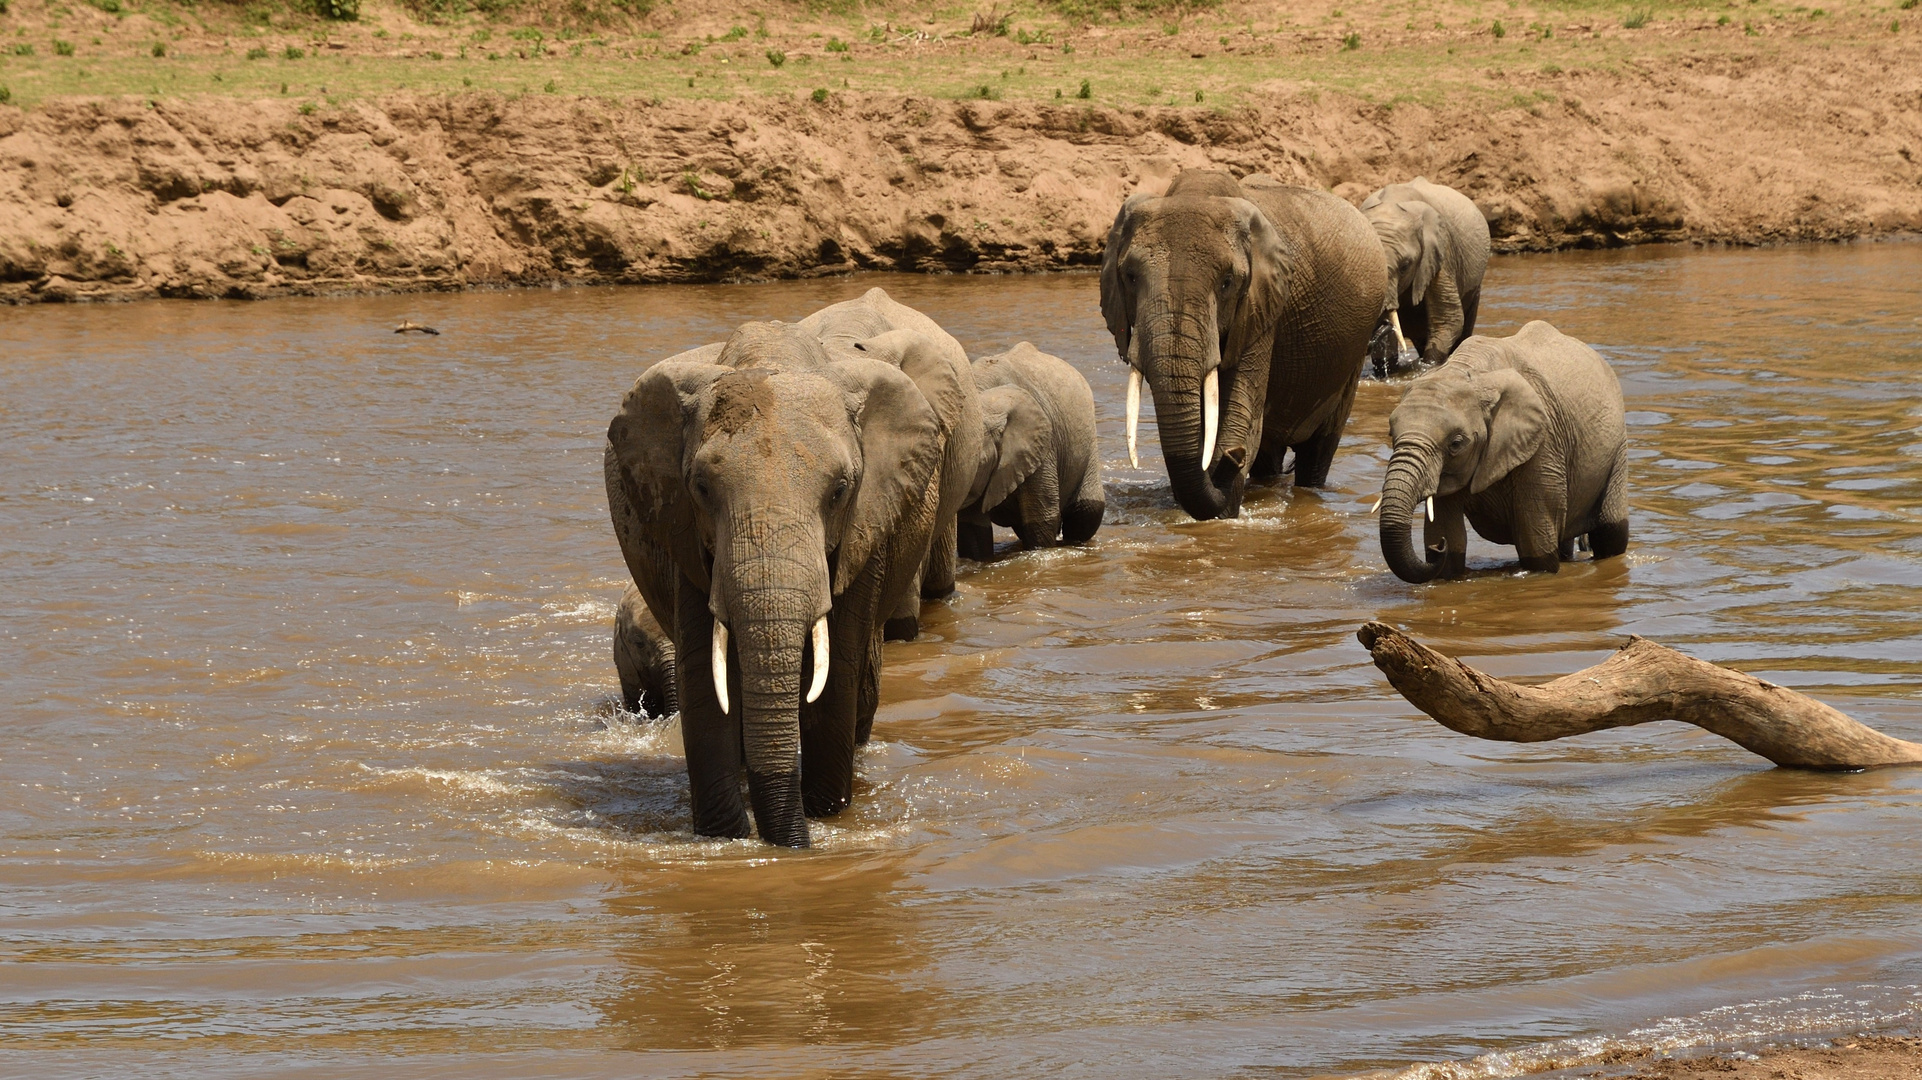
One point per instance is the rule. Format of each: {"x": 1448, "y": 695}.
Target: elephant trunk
{"x": 1413, "y": 473}
{"x": 773, "y": 596}
{"x": 1182, "y": 357}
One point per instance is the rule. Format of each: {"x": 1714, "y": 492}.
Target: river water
{"x": 308, "y": 753}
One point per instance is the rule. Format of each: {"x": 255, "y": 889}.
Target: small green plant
{"x": 62, "y": 48}
{"x": 432, "y": 55}
{"x": 294, "y": 52}
{"x": 283, "y": 89}
{"x": 1817, "y": 13}
{"x": 1068, "y": 49}
{"x": 1907, "y": 5}
{"x": 307, "y": 108}
{"x": 258, "y": 52}
{"x": 1351, "y": 42}
{"x": 1039, "y": 37}
{"x": 465, "y": 81}
{"x": 338, "y": 10}
{"x": 1086, "y": 91}
{"x": 835, "y": 44}
{"x": 25, "y": 49}
{"x": 693, "y": 48}
{"x": 1895, "y": 26}
{"x": 1198, "y": 97}
{"x": 984, "y": 92}
{"x": 694, "y": 187}
{"x": 820, "y": 95}
{"x": 111, "y": 7}
{"x": 1638, "y": 19}
{"x": 1498, "y": 29}
{"x": 1723, "y": 21}
{"x": 551, "y": 86}
{"x": 114, "y": 249}
{"x": 159, "y": 48}
{"x": 1171, "y": 29}
{"x": 776, "y": 57}
{"x": 1748, "y": 29}
{"x": 6, "y": 95}
{"x": 481, "y": 35}
{"x": 1154, "y": 91}
{"x": 1057, "y": 93}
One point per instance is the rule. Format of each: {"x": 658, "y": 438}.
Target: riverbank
{"x": 1858, "y": 1058}
{"x": 369, "y": 169}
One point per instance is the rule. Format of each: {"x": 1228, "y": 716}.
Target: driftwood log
{"x": 1641, "y": 683}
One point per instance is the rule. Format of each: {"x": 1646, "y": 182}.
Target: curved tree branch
{"x": 1642, "y": 682}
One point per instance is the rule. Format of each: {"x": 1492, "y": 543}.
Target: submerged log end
{"x": 1641, "y": 682}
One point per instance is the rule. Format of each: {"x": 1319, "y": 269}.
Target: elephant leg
{"x": 870, "y": 694}
{"x": 1445, "y": 539}
{"x": 1541, "y": 507}
{"x": 1268, "y": 463}
{"x": 1566, "y": 551}
{"x": 1471, "y": 303}
{"x": 712, "y": 739}
{"x": 975, "y": 540}
{"x": 904, "y": 622}
{"x": 1610, "y": 538}
{"x": 937, "y": 573}
{"x": 1080, "y": 521}
{"x": 1314, "y": 456}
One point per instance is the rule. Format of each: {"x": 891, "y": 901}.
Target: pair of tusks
{"x": 1428, "y": 502}
{"x": 819, "y": 635}
{"x": 1210, "y": 415}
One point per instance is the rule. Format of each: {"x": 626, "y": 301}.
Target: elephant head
{"x": 1192, "y": 286}
{"x": 775, "y": 480}
{"x": 1457, "y": 429}
{"x": 1411, "y": 238}
{"x": 1018, "y": 463}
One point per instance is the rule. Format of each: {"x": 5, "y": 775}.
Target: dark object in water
{"x": 410, "y": 326}
{"x": 1385, "y": 356}
{"x": 1640, "y": 683}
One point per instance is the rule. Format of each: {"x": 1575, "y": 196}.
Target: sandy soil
{"x": 1711, "y": 138}
{"x": 1861, "y": 1058}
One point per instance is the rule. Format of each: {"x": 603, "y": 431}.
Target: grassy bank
{"x": 1386, "y": 53}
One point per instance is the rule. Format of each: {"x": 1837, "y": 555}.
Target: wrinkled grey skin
{"x": 1436, "y": 244}
{"x": 644, "y": 657}
{"x": 1524, "y": 436}
{"x": 1279, "y": 288}
{"x": 1039, "y": 470}
{"x": 767, "y": 482}
{"x": 875, "y": 323}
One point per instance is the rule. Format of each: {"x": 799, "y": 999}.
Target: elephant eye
{"x": 1227, "y": 283}
{"x": 841, "y": 489}
{"x": 1456, "y": 443}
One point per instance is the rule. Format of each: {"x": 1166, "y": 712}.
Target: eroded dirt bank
{"x": 206, "y": 197}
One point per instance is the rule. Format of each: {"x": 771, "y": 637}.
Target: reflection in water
{"x": 311, "y": 749}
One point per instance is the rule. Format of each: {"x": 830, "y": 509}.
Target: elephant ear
{"x": 900, "y": 452}
{"x": 942, "y": 378}
{"x": 1426, "y": 235}
{"x": 648, "y": 440}
{"x": 1117, "y": 307}
{"x": 1261, "y": 303}
{"x": 1517, "y": 423}
{"x": 1027, "y": 440}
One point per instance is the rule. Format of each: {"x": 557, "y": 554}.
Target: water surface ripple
{"x": 308, "y": 749}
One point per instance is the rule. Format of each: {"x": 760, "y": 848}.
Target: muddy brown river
{"x": 308, "y": 757}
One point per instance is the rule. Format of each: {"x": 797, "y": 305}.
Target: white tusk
{"x": 1210, "y": 415}
{"x": 820, "y": 659}
{"x": 1401, "y": 343}
{"x": 1376, "y": 509}
{"x": 720, "y": 664}
{"x": 1431, "y": 508}
{"x": 1134, "y": 414}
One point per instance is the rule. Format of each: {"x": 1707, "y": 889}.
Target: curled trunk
{"x": 1412, "y": 476}
{"x": 1177, "y": 353}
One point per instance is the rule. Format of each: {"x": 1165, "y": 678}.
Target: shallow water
{"x": 310, "y": 760}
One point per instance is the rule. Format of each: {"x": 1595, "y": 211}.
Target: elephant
{"x": 889, "y": 330}
{"x": 1247, "y": 307}
{"x": 644, "y": 657}
{"x": 1039, "y": 468}
{"x": 1436, "y": 244}
{"x": 1524, "y": 436}
{"x": 773, "y": 498}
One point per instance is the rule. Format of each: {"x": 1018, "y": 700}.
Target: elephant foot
{"x": 1609, "y": 539}
{"x": 904, "y": 628}
{"x": 1550, "y": 563}
{"x": 975, "y": 541}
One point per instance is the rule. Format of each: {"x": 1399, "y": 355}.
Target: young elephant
{"x": 1436, "y": 243}
{"x": 644, "y": 657}
{"x": 1039, "y": 472}
{"x": 1524, "y": 436}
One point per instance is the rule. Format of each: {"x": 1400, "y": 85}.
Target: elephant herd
{"x": 786, "y": 499}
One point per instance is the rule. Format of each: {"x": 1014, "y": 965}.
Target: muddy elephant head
{"x": 1192, "y": 285}
{"x": 1456, "y": 428}
{"x": 777, "y": 484}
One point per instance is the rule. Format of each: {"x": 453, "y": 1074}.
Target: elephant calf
{"x": 1039, "y": 472}
{"x": 1523, "y": 435}
{"x": 644, "y": 657}
{"x": 1436, "y": 242}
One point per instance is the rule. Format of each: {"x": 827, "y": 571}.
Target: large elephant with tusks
{"x": 1246, "y": 307}
{"x": 774, "y": 497}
